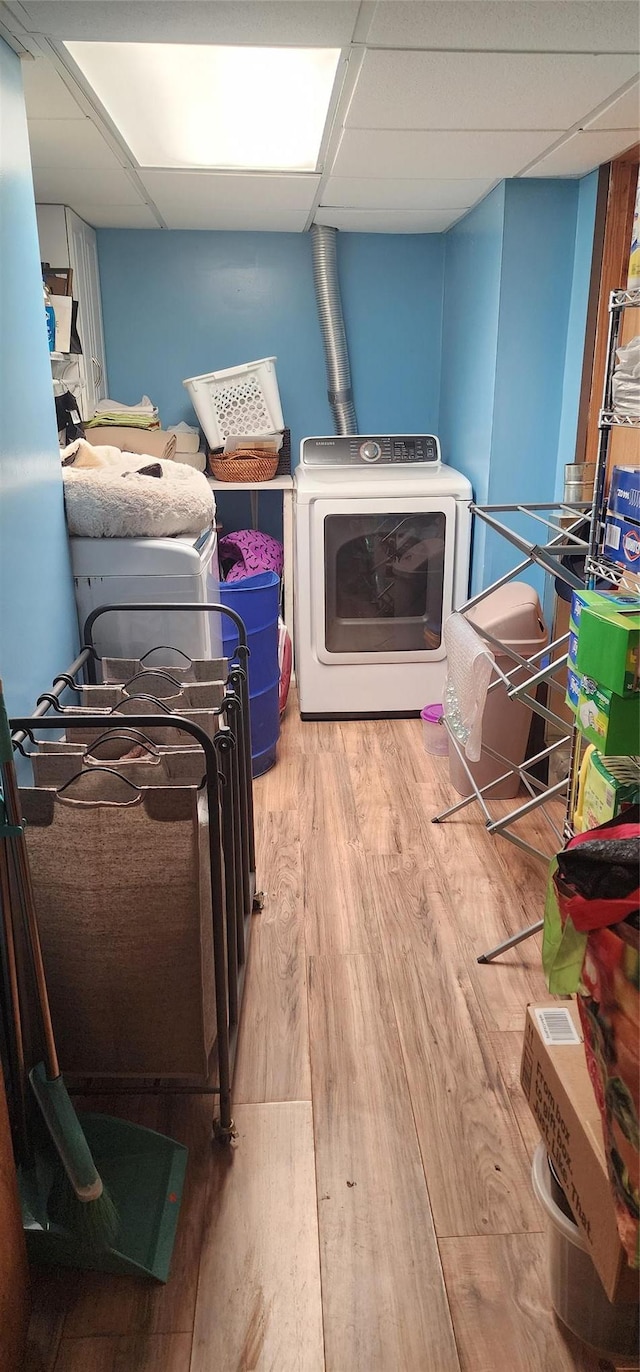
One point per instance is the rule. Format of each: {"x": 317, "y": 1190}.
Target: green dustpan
{"x": 144, "y": 1175}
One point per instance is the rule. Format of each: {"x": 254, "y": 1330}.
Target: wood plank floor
{"x": 375, "y": 1213}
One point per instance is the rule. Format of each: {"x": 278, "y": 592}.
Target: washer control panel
{"x": 369, "y": 450}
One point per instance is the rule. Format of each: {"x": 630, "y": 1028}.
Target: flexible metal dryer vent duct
{"x": 325, "y": 276}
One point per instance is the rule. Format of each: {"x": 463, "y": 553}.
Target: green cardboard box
{"x": 609, "y": 647}
{"x": 604, "y": 602}
{"x": 609, "y": 721}
{"x": 609, "y": 785}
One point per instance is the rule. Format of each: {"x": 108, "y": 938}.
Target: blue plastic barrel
{"x": 257, "y": 600}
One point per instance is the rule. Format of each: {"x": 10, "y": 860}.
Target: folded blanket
{"x": 129, "y": 499}
{"x": 151, "y": 442}
{"x": 117, "y": 419}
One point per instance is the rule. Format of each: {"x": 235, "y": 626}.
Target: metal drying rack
{"x": 583, "y": 537}
{"x": 229, "y": 788}
{"x": 565, "y": 540}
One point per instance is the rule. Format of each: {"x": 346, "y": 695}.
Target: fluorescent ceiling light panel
{"x": 192, "y": 105}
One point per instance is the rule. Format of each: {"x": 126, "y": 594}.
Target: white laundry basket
{"x": 239, "y": 400}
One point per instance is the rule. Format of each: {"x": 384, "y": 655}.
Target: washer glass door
{"x": 387, "y": 583}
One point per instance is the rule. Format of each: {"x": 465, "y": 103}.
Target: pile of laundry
{"x": 111, "y": 493}
{"x": 114, "y": 414}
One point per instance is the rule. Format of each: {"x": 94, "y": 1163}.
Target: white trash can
{"x": 577, "y": 1294}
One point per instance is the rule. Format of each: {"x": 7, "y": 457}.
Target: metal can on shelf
{"x": 578, "y": 481}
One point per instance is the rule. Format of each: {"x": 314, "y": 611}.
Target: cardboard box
{"x": 609, "y": 721}
{"x": 556, "y": 1083}
{"x": 624, "y": 493}
{"x": 609, "y": 646}
{"x": 622, "y": 542}
{"x": 608, "y": 786}
{"x": 572, "y": 649}
{"x": 603, "y": 601}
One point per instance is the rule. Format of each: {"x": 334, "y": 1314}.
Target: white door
{"x": 83, "y": 257}
{"x": 382, "y": 578}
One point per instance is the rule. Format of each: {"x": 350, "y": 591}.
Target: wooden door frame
{"x": 615, "y": 204}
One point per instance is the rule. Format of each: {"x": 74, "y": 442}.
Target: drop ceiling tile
{"x": 388, "y": 221}
{"x": 65, "y": 185}
{"x": 582, "y": 152}
{"x": 482, "y": 90}
{"x": 216, "y": 195}
{"x": 416, "y": 153}
{"x": 325, "y": 23}
{"x": 115, "y": 216}
{"x": 68, "y": 142}
{"x": 623, "y": 113}
{"x": 45, "y": 93}
{"x": 402, "y": 193}
{"x": 543, "y": 25}
{"x": 224, "y": 219}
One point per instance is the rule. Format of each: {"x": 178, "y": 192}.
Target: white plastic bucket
{"x": 434, "y": 734}
{"x": 238, "y": 400}
{"x": 577, "y": 1294}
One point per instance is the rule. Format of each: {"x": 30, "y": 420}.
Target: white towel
{"x": 144, "y": 406}
{"x": 470, "y": 666}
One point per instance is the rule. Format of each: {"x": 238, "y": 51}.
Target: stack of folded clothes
{"x": 132, "y": 428}
{"x": 111, "y": 413}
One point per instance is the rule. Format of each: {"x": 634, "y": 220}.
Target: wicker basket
{"x": 246, "y": 464}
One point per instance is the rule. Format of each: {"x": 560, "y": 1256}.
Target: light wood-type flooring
{"x": 375, "y": 1213}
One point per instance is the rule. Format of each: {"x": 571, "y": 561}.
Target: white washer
{"x": 121, "y": 571}
{"x": 382, "y": 535}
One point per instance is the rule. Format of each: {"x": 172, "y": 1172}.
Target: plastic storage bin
{"x": 239, "y": 400}
{"x": 513, "y": 615}
{"x": 435, "y": 738}
{"x": 577, "y": 1294}
{"x": 257, "y": 600}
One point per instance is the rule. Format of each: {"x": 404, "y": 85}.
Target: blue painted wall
{"x": 38, "y": 629}
{"x": 535, "y": 291}
{"x": 473, "y": 263}
{"x": 516, "y": 277}
{"x": 180, "y": 303}
{"x": 576, "y": 325}
{"x": 391, "y": 287}
{"x": 476, "y": 334}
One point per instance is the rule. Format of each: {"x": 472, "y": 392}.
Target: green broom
{"x": 81, "y": 1202}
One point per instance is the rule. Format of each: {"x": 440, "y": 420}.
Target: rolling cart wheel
{"x": 222, "y": 1135}
{"x": 258, "y": 901}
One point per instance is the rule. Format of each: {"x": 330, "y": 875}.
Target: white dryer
{"x": 382, "y": 535}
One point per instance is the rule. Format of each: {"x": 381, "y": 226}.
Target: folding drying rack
{"x": 229, "y": 789}
{"x": 565, "y": 541}
{"x": 582, "y": 538}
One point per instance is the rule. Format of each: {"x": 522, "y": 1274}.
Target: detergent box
{"x": 603, "y": 601}
{"x": 609, "y": 646}
{"x": 606, "y": 787}
{"x": 622, "y": 542}
{"x": 572, "y": 649}
{"x": 624, "y": 494}
{"x": 609, "y": 721}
